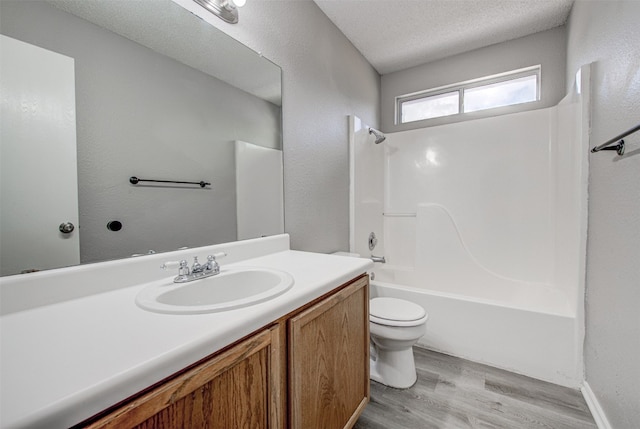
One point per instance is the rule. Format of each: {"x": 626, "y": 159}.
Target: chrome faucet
{"x": 197, "y": 270}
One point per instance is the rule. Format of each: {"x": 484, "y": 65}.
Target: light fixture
{"x": 227, "y": 10}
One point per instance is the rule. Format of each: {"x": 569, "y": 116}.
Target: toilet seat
{"x": 396, "y": 312}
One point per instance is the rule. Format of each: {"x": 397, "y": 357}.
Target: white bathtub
{"x": 527, "y": 331}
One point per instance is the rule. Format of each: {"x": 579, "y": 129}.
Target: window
{"x": 506, "y": 89}
{"x": 432, "y": 106}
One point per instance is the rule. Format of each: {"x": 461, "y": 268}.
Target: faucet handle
{"x": 183, "y": 270}
{"x": 212, "y": 264}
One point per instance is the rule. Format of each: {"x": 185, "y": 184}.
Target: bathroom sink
{"x": 233, "y": 288}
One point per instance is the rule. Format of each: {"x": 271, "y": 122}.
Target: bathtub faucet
{"x": 378, "y": 259}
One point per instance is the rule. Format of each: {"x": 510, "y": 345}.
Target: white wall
{"x": 546, "y": 48}
{"x": 607, "y": 33}
{"x": 325, "y": 79}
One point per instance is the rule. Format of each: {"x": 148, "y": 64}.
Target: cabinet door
{"x": 239, "y": 388}
{"x": 329, "y": 360}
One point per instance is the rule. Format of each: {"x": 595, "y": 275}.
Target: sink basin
{"x": 233, "y": 288}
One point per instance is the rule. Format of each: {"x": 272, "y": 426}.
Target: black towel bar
{"x": 134, "y": 180}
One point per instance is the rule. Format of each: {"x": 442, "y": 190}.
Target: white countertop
{"x": 64, "y": 362}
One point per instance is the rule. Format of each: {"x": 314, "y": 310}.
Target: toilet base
{"x": 393, "y": 368}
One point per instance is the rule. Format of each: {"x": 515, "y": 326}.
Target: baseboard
{"x": 594, "y": 406}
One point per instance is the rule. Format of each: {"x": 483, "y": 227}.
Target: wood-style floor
{"x": 453, "y": 393}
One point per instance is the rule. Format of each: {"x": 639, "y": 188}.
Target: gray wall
{"x": 143, "y": 114}
{"x": 607, "y": 33}
{"x": 324, "y": 79}
{"x": 547, "y": 48}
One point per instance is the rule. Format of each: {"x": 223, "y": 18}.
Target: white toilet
{"x": 395, "y": 326}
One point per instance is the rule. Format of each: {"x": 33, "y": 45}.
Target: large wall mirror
{"x": 98, "y": 91}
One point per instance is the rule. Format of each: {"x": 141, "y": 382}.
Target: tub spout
{"x": 378, "y": 259}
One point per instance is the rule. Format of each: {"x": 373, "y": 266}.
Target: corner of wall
{"x": 594, "y": 406}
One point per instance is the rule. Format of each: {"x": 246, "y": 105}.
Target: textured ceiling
{"x": 397, "y": 34}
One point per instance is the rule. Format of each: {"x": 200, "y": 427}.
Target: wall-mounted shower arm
{"x": 378, "y": 135}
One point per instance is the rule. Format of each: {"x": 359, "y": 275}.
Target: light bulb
{"x": 239, "y": 3}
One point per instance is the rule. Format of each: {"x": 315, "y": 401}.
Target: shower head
{"x": 378, "y": 135}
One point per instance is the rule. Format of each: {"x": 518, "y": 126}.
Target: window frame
{"x": 460, "y": 87}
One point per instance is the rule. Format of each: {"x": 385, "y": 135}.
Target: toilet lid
{"x": 394, "y": 309}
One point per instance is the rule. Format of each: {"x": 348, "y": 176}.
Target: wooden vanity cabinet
{"x": 238, "y": 388}
{"x": 329, "y": 360}
{"x": 324, "y": 345}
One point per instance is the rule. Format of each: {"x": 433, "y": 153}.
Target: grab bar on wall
{"x": 619, "y": 147}
{"x": 134, "y": 181}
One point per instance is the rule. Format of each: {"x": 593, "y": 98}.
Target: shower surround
{"x": 483, "y": 223}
